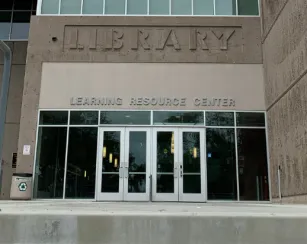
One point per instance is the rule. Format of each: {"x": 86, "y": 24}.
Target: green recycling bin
{"x": 21, "y": 187}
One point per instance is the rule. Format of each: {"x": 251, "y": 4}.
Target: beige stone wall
{"x": 13, "y": 113}
{"x": 213, "y": 86}
{"x": 285, "y": 64}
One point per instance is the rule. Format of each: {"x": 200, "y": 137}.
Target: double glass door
{"x": 158, "y": 164}
{"x": 179, "y": 169}
{"x": 123, "y": 164}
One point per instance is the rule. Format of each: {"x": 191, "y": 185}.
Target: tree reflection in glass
{"x": 221, "y": 164}
{"x": 110, "y": 161}
{"x": 137, "y": 161}
{"x": 191, "y": 162}
{"x": 253, "y": 167}
{"x": 165, "y": 162}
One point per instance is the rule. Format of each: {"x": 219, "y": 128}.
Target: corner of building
{"x": 285, "y": 68}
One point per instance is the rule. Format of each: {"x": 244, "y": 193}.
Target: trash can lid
{"x": 22, "y": 174}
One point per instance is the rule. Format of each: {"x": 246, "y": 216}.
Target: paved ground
{"x": 171, "y": 209}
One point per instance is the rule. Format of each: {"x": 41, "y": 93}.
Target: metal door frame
{"x": 122, "y": 194}
{"x": 190, "y": 197}
{"x": 164, "y": 196}
{"x": 137, "y": 196}
{"x": 108, "y": 196}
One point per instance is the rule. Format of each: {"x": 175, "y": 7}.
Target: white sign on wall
{"x": 26, "y": 149}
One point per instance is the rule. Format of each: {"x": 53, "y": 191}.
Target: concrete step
{"x": 151, "y": 223}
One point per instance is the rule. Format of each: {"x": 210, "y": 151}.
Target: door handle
{"x": 120, "y": 172}
{"x": 175, "y": 173}
{"x": 181, "y": 171}
{"x": 126, "y": 172}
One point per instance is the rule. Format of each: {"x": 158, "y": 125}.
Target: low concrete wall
{"x": 129, "y": 229}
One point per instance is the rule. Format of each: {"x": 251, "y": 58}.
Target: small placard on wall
{"x": 26, "y": 149}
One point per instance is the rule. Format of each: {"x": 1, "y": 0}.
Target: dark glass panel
{"x": 221, "y": 164}
{"x": 137, "y": 151}
{"x": 125, "y": 117}
{"x": 5, "y": 25}
{"x": 53, "y": 118}
{"x": 166, "y": 118}
{"x": 6, "y": 5}
{"x": 165, "y": 152}
{"x": 22, "y": 4}
{"x": 50, "y": 162}
{"x": 219, "y": 119}
{"x": 21, "y": 25}
{"x": 165, "y": 183}
{"x": 81, "y": 162}
{"x": 253, "y": 168}
{"x": 110, "y": 183}
{"x": 83, "y": 118}
{"x": 137, "y": 183}
{"x": 250, "y": 119}
{"x": 111, "y": 151}
{"x": 191, "y": 152}
{"x": 34, "y": 4}
{"x": 248, "y": 7}
{"x": 191, "y": 184}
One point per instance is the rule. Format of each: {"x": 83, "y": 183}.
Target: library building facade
{"x": 133, "y": 100}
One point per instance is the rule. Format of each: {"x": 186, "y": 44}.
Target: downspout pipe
{"x": 7, "y": 54}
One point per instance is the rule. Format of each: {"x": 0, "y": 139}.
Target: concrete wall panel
{"x": 147, "y": 229}
{"x": 270, "y": 11}
{"x": 153, "y": 80}
{"x": 287, "y": 122}
{"x": 15, "y": 94}
{"x": 285, "y": 67}
{"x": 9, "y": 147}
{"x": 285, "y": 50}
{"x": 13, "y": 111}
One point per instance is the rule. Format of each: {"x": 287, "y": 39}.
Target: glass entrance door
{"x": 124, "y": 164}
{"x": 179, "y": 165}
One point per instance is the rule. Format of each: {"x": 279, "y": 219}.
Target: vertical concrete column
{"x": 4, "y": 94}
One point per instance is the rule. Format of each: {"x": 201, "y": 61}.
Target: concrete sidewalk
{"x": 152, "y": 223}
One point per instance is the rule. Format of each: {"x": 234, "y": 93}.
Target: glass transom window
{"x": 150, "y": 7}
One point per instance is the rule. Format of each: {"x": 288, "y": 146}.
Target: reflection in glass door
{"x": 137, "y": 165}
{"x": 165, "y": 165}
{"x": 192, "y": 165}
{"x": 179, "y": 168}
{"x": 110, "y": 169}
{"x": 124, "y": 159}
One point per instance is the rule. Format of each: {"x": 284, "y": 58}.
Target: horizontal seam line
{"x": 274, "y": 22}
{"x": 288, "y": 89}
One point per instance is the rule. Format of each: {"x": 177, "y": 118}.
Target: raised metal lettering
{"x": 176, "y": 101}
{"x": 72, "y": 101}
{"x": 225, "y": 102}
{"x": 119, "y": 101}
{"x": 139, "y": 101}
{"x": 196, "y": 101}
{"x": 79, "y": 101}
{"x": 183, "y": 102}
{"x": 133, "y": 101}
{"x": 232, "y": 102}
{"x": 86, "y": 101}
